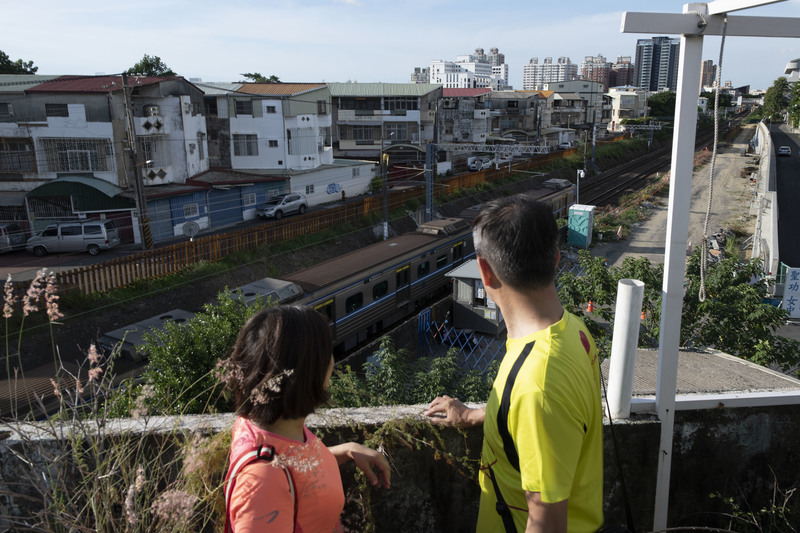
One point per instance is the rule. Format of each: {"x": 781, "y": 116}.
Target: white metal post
{"x": 675, "y": 259}
{"x": 630, "y": 293}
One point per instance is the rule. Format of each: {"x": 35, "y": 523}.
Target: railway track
{"x": 608, "y": 187}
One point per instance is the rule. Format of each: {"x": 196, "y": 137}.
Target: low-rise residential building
{"x": 589, "y": 91}
{"x": 464, "y": 116}
{"x": 626, "y": 103}
{"x": 65, "y": 143}
{"x": 371, "y": 119}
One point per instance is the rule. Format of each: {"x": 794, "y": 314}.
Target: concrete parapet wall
{"x": 733, "y": 452}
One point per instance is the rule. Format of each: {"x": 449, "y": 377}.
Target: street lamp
{"x": 581, "y": 174}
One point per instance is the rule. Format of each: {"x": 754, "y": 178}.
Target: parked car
{"x": 77, "y": 236}
{"x": 785, "y": 150}
{"x": 283, "y": 204}
{"x": 12, "y": 237}
{"x": 564, "y": 146}
{"x": 480, "y": 163}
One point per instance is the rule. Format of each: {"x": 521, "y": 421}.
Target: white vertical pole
{"x": 675, "y": 258}
{"x": 630, "y": 293}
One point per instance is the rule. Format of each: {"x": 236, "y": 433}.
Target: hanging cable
{"x": 704, "y": 253}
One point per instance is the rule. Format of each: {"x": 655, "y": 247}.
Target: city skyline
{"x": 352, "y": 40}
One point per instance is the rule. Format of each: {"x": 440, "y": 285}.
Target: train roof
{"x": 375, "y": 256}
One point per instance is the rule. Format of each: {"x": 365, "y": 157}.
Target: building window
{"x": 271, "y": 109}
{"x": 249, "y": 199}
{"x": 309, "y": 189}
{"x": 76, "y": 155}
{"x": 5, "y": 109}
{"x": 56, "y": 110}
{"x": 245, "y": 144}
{"x": 363, "y": 133}
{"x": 322, "y": 107}
{"x": 356, "y": 172}
{"x": 17, "y": 155}
{"x": 400, "y": 103}
{"x": 201, "y": 137}
{"x": 153, "y": 148}
{"x": 244, "y": 107}
{"x": 151, "y": 110}
{"x": 273, "y": 143}
{"x": 190, "y": 210}
{"x": 210, "y": 107}
{"x": 397, "y": 131}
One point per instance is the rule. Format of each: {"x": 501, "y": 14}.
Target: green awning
{"x": 87, "y": 192}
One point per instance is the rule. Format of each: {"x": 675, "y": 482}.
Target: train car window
{"x": 458, "y": 251}
{"x": 379, "y": 290}
{"x": 423, "y": 269}
{"x": 441, "y": 262}
{"x": 402, "y": 277}
{"x": 326, "y": 309}
{"x": 353, "y": 302}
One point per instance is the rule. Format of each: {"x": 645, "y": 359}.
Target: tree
{"x": 15, "y": 67}
{"x": 725, "y": 100}
{"x": 257, "y": 77}
{"x": 662, "y": 104}
{"x": 776, "y": 100}
{"x": 794, "y": 105}
{"x": 151, "y": 66}
{"x": 733, "y": 318}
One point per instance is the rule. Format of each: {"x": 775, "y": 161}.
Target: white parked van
{"x": 77, "y": 236}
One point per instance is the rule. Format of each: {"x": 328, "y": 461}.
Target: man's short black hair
{"x": 518, "y": 237}
{"x": 280, "y": 361}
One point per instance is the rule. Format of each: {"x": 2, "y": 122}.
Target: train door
{"x": 403, "y": 285}
{"x": 458, "y": 252}
{"x": 327, "y": 309}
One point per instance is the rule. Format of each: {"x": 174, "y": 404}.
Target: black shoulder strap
{"x": 505, "y": 406}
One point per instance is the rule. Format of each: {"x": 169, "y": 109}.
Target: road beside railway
{"x": 730, "y": 207}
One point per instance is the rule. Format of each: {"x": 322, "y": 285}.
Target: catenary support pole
{"x": 630, "y": 293}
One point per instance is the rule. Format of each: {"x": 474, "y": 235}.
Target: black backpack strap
{"x": 505, "y": 406}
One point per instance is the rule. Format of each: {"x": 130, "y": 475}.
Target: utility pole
{"x": 141, "y": 202}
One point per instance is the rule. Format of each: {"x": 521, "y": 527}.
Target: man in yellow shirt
{"x": 543, "y": 423}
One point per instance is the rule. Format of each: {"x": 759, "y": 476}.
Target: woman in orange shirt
{"x": 279, "y": 372}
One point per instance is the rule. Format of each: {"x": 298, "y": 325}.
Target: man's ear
{"x": 488, "y": 276}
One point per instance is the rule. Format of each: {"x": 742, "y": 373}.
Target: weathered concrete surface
{"x": 733, "y": 452}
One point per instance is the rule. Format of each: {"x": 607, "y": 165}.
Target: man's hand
{"x": 451, "y": 412}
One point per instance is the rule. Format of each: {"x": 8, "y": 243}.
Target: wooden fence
{"x": 120, "y": 272}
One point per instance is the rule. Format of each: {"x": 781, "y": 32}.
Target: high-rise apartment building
{"x": 622, "y": 72}
{"x": 474, "y": 71}
{"x": 657, "y": 63}
{"x": 534, "y": 74}
{"x": 596, "y": 68}
{"x": 708, "y": 73}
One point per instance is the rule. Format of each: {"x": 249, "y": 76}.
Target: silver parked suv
{"x": 283, "y": 204}
{"x": 77, "y": 236}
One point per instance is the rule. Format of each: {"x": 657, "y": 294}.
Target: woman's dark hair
{"x": 518, "y": 237}
{"x": 279, "y": 364}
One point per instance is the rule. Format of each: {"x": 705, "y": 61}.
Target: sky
{"x": 352, "y": 40}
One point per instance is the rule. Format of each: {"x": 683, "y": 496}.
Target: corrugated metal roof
{"x": 18, "y": 83}
{"x": 468, "y": 270}
{"x": 217, "y": 89}
{"x": 94, "y": 84}
{"x": 465, "y": 93}
{"x": 278, "y": 89}
{"x": 382, "y": 89}
{"x": 230, "y": 177}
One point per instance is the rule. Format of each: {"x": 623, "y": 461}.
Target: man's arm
{"x": 451, "y": 412}
{"x": 545, "y": 517}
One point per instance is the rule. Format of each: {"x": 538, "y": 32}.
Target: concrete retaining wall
{"x": 734, "y": 452}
